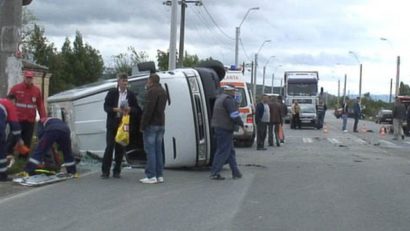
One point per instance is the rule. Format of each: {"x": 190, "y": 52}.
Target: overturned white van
{"x": 187, "y": 140}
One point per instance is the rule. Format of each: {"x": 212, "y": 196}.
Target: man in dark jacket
{"x": 357, "y": 113}
{"x": 399, "y": 115}
{"x": 118, "y": 102}
{"x": 224, "y": 120}
{"x": 153, "y": 128}
{"x": 276, "y": 120}
{"x": 262, "y": 118}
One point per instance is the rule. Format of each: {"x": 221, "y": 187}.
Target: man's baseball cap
{"x": 28, "y": 74}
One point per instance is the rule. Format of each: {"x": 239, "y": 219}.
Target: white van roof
{"x": 86, "y": 90}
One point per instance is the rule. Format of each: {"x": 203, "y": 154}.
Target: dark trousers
{"x": 62, "y": 138}
{"x": 273, "y": 132}
{"x": 27, "y": 130}
{"x": 225, "y": 152}
{"x": 261, "y": 134}
{"x": 295, "y": 123}
{"x": 356, "y": 121}
{"x": 108, "y": 153}
{"x": 320, "y": 120}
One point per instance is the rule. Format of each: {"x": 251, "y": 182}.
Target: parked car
{"x": 384, "y": 116}
{"x": 308, "y": 115}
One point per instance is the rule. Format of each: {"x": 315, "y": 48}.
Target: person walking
{"x": 357, "y": 111}
{"x": 295, "y": 109}
{"x": 51, "y": 130}
{"x": 262, "y": 118}
{"x": 345, "y": 115}
{"x": 153, "y": 128}
{"x": 284, "y": 110}
{"x": 276, "y": 120}
{"x": 399, "y": 115}
{"x": 320, "y": 111}
{"x": 119, "y": 101}
{"x": 29, "y": 101}
{"x": 8, "y": 115}
{"x": 225, "y": 120}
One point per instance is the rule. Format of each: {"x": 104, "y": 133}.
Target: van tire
{"x": 215, "y": 65}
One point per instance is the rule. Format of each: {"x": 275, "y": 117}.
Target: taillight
{"x": 249, "y": 119}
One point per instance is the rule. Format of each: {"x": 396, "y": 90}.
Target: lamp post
{"x": 397, "y": 66}
{"x": 237, "y": 32}
{"x": 273, "y": 78}
{"x": 256, "y": 69}
{"x": 264, "y": 72}
{"x": 360, "y": 76}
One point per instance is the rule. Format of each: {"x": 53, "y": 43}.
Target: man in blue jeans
{"x": 153, "y": 128}
{"x": 225, "y": 119}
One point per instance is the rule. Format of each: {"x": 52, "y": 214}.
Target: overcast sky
{"x": 305, "y": 34}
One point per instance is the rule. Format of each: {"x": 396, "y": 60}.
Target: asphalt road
{"x": 316, "y": 181}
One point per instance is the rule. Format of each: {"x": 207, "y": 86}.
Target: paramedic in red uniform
{"x": 29, "y": 100}
{"x": 8, "y": 114}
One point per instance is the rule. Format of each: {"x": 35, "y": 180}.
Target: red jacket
{"x": 29, "y": 100}
{"x": 10, "y": 112}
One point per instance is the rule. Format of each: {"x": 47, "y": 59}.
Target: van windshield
{"x": 241, "y": 92}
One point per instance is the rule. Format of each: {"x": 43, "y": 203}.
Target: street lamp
{"x": 397, "y": 67}
{"x": 360, "y": 78}
{"x": 264, "y": 72}
{"x": 273, "y": 78}
{"x": 238, "y": 28}
{"x": 256, "y": 69}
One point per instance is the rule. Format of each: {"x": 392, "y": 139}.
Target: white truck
{"x": 301, "y": 86}
{"x": 188, "y": 139}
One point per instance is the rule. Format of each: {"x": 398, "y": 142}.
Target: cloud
{"x": 315, "y": 34}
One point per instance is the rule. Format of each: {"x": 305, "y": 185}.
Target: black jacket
{"x": 154, "y": 107}
{"x": 111, "y": 102}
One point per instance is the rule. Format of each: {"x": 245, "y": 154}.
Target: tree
{"x": 75, "y": 65}
{"x": 404, "y": 89}
{"x": 124, "y": 62}
{"x": 162, "y": 59}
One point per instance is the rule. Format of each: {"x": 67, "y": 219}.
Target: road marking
{"x": 360, "y": 141}
{"x": 333, "y": 141}
{"x": 307, "y": 140}
{"x": 407, "y": 142}
{"x": 389, "y": 144}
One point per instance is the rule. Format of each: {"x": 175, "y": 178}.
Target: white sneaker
{"x": 345, "y": 130}
{"x": 160, "y": 179}
{"x": 147, "y": 180}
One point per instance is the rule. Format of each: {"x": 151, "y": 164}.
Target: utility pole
{"x": 391, "y": 89}
{"x": 173, "y": 35}
{"x": 344, "y": 90}
{"x": 398, "y": 76}
{"x": 10, "y": 25}
{"x": 182, "y": 30}
{"x": 338, "y": 91}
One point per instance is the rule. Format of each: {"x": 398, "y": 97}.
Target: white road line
{"x": 360, "y": 141}
{"x": 389, "y": 144}
{"x": 334, "y": 141}
{"x": 307, "y": 140}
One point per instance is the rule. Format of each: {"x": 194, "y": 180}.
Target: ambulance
{"x": 234, "y": 77}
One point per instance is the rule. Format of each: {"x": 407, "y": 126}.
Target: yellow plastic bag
{"x": 123, "y": 133}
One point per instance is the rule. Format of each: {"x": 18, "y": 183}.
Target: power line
{"x": 217, "y": 26}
